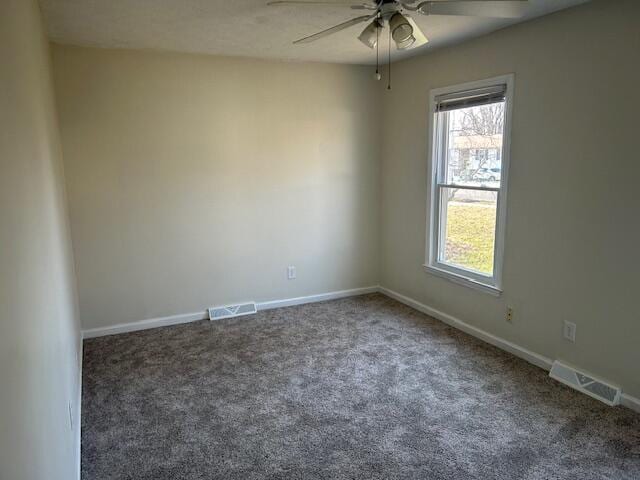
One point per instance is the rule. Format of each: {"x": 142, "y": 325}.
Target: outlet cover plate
{"x": 569, "y": 331}
{"x": 291, "y": 272}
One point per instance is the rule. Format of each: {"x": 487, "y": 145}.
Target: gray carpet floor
{"x": 359, "y": 388}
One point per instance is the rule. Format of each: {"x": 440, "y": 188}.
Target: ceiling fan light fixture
{"x": 369, "y": 35}
{"x": 401, "y": 29}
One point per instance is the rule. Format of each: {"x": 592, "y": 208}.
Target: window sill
{"x": 462, "y": 280}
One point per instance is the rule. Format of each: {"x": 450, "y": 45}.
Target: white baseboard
{"x": 531, "y": 357}
{"x": 630, "y": 402}
{"x": 144, "y": 324}
{"x": 316, "y": 298}
{"x": 79, "y": 410}
{"x": 193, "y": 317}
{"x": 521, "y": 352}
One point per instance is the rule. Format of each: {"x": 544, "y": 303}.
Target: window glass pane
{"x": 467, "y": 228}
{"x": 474, "y": 145}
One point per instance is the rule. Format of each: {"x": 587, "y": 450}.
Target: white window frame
{"x": 487, "y": 283}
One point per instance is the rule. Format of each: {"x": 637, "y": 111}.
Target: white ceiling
{"x": 247, "y": 27}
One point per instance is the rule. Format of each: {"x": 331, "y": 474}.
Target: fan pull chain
{"x": 377, "y": 51}
{"x": 389, "y": 80}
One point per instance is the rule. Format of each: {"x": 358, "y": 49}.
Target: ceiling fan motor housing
{"x": 389, "y": 8}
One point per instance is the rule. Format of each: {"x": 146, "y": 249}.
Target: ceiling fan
{"x": 397, "y": 15}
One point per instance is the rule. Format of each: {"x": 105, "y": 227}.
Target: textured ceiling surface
{"x": 247, "y": 27}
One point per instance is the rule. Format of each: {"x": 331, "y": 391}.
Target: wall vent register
{"x": 229, "y": 311}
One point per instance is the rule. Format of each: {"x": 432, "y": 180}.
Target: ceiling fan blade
{"x": 420, "y": 37}
{"x": 475, "y": 8}
{"x": 337, "y": 28}
{"x": 353, "y": 5}
{"x": 364, "y": 6}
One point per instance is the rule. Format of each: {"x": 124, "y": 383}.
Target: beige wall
{"x": 573, "y": 228}
{"x": 39, "y": 332}
{"x": 195, "y": 181}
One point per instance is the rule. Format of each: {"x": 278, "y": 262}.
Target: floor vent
{"x": 585, "y": 383}
{"x": 228, "y": 311}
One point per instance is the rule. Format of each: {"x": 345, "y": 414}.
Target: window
{"x": 469, "y": 164}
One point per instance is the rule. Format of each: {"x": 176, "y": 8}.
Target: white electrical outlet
{"x": 509, "y": 314}
{"x": 569, "y": 331}
{"x": 291, "y": 272}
